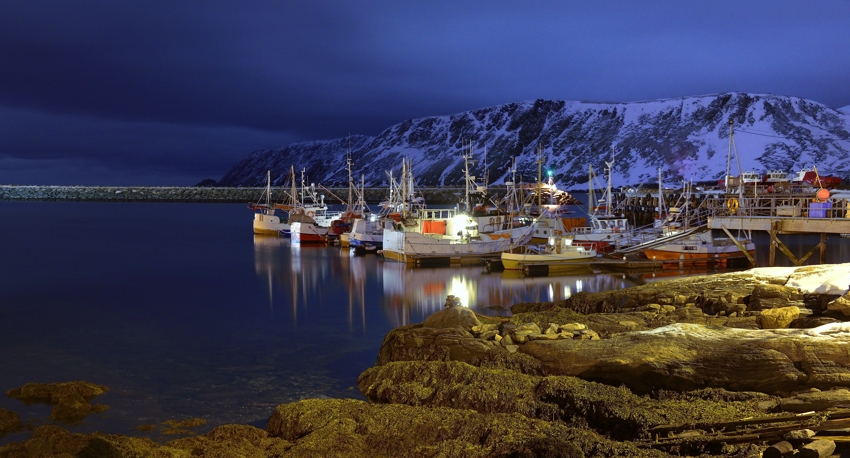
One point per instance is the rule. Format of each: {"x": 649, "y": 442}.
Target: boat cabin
{"x": 600, "y": 225}
{"x": 750, "y": 177}
{"x": 775, "y": 176}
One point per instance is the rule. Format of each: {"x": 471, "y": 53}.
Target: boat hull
{"x": 702, "y": 258}
{"x": 516, "y": 261}
{"x": 410, "y": 247}
{"x": 265, "y": 224}
{"x": 307, "y": 233}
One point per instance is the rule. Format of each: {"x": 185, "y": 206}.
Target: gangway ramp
{"x": 634, "y": 249}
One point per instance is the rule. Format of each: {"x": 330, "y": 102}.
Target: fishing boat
{"x": 811, "y": 177}
{"x": 430, "y": 237}
{"x": 266, "y": 219}
{"x": 775, "y": 177}
{"x": 355, "y": 210}
{"x": 559, "y": 251}
{"x": 310, "y": 220}
{"x": 700, "y": 249}
{"x": 548, "y": 206}
{"x": 369, "y": 232}
{"x": 417, "y": 234}
{"x": 606, "y": 230}
{"x": 308, "y": 231}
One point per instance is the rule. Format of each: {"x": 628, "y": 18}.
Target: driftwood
{"x": 750, "y": 430}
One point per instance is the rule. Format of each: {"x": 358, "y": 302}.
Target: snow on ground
{"x": 820, "y": 279}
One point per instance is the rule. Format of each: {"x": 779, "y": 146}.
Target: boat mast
{"x": 610, "y": 173}
{"x": 733, "y": 145}
{"x": 404, "y": 209}
{"x": 591, "y": 197}
{"x": 350, "y": 187}
{"x": 268, "y": 189}
{"x": 467, "y": 159}
{"x": 513, "y": 202}
{"x": 661, "y": 209}
{"x": 540, "y": 179}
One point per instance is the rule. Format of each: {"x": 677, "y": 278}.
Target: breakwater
{"x": 194, "y": 194}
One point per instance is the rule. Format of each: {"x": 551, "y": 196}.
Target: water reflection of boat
{"x": 563, "y": 287}
{"x": 411, "y": 294}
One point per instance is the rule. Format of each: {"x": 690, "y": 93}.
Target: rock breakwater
{"x": 199, "y": 194}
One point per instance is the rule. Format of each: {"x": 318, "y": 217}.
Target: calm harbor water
{"x": 183, "y": 313}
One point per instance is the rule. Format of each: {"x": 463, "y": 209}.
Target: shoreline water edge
{"x": 734, "y": 364}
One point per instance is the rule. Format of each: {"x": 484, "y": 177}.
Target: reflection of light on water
{"x": 461, "y": 289}
{"x": 551, "y": 293}
{"x": 567, "y": 292}
{"x": 579, "y": 286}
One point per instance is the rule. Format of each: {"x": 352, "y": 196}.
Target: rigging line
{"x": 786, "y": 138}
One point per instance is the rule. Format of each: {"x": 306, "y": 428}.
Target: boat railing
{"x": 779, "y": 205}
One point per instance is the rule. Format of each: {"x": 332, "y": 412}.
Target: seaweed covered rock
{"x": 53, "y": 441}
{"x": 9, "y": 421}
{"x": 444, "y": 336}
{"x": 614, "y": 411}
{"x": 350, "y": 428}
{"x": 233, "y": 440}
{"x": 70, "y": 399}
{"x": 724, "y": 295}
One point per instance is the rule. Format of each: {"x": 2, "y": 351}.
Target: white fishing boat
{"x": 308, "y": 232}
{"x": 309, "y": 219}
{"x": 416, "y": 233}
{"x": 369, "y": 232}
{"x": 455, "y": 239}
{"x": 606, "y": 230}
{"x": 266, "y": 219}
{"x": 559, "y": 251}
{"x": 545, "y": 205}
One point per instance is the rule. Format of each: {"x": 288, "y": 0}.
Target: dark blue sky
{"x": 171, "y": 92}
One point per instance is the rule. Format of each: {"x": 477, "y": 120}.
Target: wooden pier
{"x": 775, "y": 213}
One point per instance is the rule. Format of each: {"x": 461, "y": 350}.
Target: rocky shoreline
{"x": 742, "y": 364}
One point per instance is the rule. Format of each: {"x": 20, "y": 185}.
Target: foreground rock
{"x": 687, "y": 356}
{"x": 349, "y": 428}
{"x": 724, "y": 365}
{"x": 70, "y": 400}
{"x": 9, "y": 421}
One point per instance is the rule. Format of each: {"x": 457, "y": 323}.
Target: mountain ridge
{"x": 687, "y": 137}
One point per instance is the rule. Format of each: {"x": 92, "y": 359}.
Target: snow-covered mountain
{"x": 688, "y": 138}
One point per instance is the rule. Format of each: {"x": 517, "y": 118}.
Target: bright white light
{"x": 460, "y": 289}
{"x": 579, "y": 286}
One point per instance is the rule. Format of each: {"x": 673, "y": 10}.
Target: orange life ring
{"x": 311, "y": 214}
